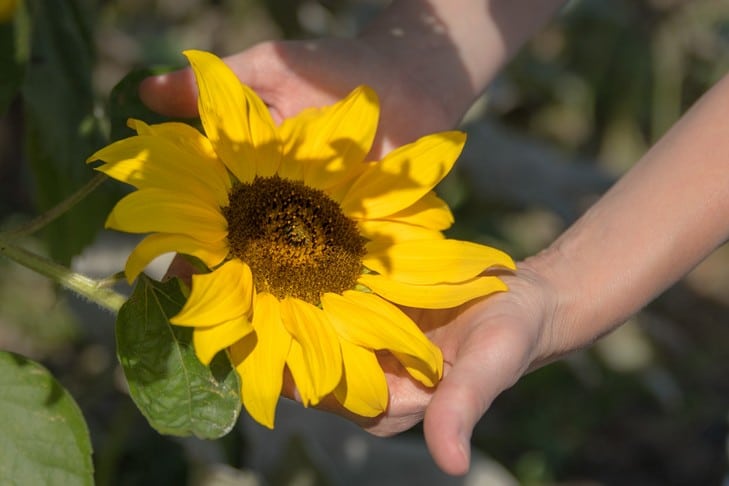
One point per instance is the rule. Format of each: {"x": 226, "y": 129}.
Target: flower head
{"x": 309, "y": 245}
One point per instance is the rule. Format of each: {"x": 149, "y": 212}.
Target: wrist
{"x": 452, "y": 49}
{"x": 573, "y": 319}
{"x": 550, "y": 339}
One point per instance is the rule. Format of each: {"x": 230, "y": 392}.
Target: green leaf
{"x": 43, "y": 436}
{"x": 176, "y": 393}
{"x": 61, "y": 129}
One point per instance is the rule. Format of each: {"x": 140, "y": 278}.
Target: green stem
{"x": 80, "y": 284}
{"x": 58, "y": 210}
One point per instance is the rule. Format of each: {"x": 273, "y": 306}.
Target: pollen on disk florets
{"x": 295, "y": 238}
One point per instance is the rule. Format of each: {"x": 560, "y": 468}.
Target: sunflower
{"x": 309, "y": 246}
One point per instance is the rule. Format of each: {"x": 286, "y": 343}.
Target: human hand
{"x": 487, "y": 346}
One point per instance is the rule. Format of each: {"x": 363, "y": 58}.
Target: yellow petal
{"x": 187, "y": 137}
{"x": 209, "y": 341}
{"x": 262, "y": 370}
{"x": 309, "y": 326}
{"x": 147, "y": 161}
{"x": 384, "y": 233}
{"x": 191, "y": 140}
{"x": 291, "y": 131}
{"x": 369, "y": 321}
{"x": 438, "y": 296}
{"x": 422, "y": 221}
{"x": 157, "y": 244}
{"x": 426, "y": 262}
{"x": 419, "y": 369}
{"x": 296, "y": 363}
{"x": 158, "y": 210}
{"x": 403, "y": 177}
{"x": 328, "y": 143}
{"x": 364, "y": 387}
{"x": 429, "y": 211}
{"x": 218, "y": 296}
{"x": 235, "y": 119}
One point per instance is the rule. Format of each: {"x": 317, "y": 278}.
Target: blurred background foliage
{"x": 648, "y": 404}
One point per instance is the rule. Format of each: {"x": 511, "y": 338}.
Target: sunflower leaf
{"x": 44, "y": 437}
{"x": 175, "y": 392}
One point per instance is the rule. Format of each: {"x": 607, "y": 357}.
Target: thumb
{"x": 487, "y": 364}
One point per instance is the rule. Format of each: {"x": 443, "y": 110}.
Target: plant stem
{"x": 80, "y": 284}
{"x": 58, "y": 210}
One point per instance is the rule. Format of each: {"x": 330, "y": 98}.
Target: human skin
{"x": 428, "y": 61}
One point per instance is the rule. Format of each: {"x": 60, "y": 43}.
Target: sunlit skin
{"x": 662, "y": 218}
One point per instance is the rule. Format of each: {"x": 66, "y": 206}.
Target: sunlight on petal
{"x": 309, "y": 326}
{"x": 437, "y": 296}
{"x": 262, "y": 371}
{"x": 330, "y": 142}
{"x": 235, "y": 119}
{"x": 429, "y": 211}
{"x": 218, "y": 296}
{"x": 382, "y": 233}
{"x": 209, "y": 341}
{"x": 150, "y": 210}
{"x": 426, "y": 262}
{"x": 403, "y": 177}
{"x": 382, "y": 326}
{"x": 291, "y": 132}
{"x": 157, "y": 244}
{"x": 418, "y": 369}
{"x": 185, "y": 136}
{"x": 147, "y": 161}
{"x": 296, "y": 363}
{"x": 364, "y": 387}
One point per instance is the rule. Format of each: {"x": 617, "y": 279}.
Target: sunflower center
{"x": 295, "y": 238}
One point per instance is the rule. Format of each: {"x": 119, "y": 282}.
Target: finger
{"x": 172, "y": 94}
{"x": 450, "y": 418}
{"x": 406, "y": 402}
{"x": 489, "y": 363}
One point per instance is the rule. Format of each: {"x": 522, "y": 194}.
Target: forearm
{"x": 659, "y": 221}
{"x": 454, "y": 48}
